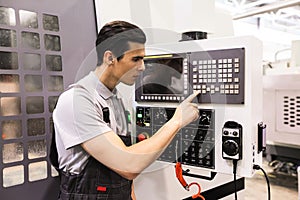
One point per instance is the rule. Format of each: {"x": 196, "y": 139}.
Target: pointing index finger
{"x": 192, "y": 96}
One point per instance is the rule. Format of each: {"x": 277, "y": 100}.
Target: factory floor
{"x": 283, "y": 185}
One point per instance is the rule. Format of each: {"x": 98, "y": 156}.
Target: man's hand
{"x": 187, "y": 111}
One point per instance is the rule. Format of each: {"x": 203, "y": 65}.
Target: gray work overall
{"x": 95, "y": 182}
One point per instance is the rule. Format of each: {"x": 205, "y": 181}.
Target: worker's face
{"x": 132, "y": 63}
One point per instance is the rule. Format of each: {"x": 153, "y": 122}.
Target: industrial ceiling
{"x": 282, "y": 15}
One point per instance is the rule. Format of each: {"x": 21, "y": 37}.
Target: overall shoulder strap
{"x": 53, "y": 155}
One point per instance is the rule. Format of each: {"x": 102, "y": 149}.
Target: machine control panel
{"x": 218, "y": 74}
{"x": 227, "y": 76}
{"x": 193, "y": 145}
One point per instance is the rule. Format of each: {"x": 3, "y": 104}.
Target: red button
{"x": 142, "y": 136}
{"x": 101, "y": 189}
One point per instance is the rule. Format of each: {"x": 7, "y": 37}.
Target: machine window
{"x": 53, "y": 63}
{"x": 11, "y": 129}
{"x": 34, "y": 105}
{"x": 55, "y": 83}
{"x": 9, "y": 83}
{"x": 12, "y": 152}
{"x": 13, "y": 176}
{"x": 10, "y": 106}
{"x": 8, "y": 38}
{"x": 32, "y": 61}
{"x": 37, "y": 149}
{"x": 9, "y": 60}
{"x": 50, "y": 22}
{"x": 33, "y": 83}
{"x": 52, "y": 42}
{"x": 7, "y": 16}
{"x": 36, "y": 126}
{"x": 30, "y": 40}
{"x": 28, "y": 19}
{"x": 37, "y": 171}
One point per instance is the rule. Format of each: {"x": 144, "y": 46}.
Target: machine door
{"x": 42, "y": 46}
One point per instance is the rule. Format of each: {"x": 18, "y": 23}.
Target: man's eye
{"x": 136, "y": 59}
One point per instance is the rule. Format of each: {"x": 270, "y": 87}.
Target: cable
{"x": 197, "y": 195}
{"x": 234, "y": 177}
{"x": 257, "y": 167}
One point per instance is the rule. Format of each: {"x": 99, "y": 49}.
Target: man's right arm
{"x": 129, "y": 161}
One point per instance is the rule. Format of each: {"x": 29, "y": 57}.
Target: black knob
{"x": 204, "y": 120}
{"x": 230, "y": 147}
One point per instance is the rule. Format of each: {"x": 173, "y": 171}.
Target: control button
{"x": 142, "y": 136}
{"x": 235, "y": 133}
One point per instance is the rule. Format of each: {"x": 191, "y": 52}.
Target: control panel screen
{"x": 163, "y": 76}
{"x": 164, "y": 79}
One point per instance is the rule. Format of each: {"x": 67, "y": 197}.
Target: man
{"x": 95, "y": 154}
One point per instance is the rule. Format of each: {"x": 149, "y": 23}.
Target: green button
{"x": 128, "y": 118}
{"x": 139, "y": 115}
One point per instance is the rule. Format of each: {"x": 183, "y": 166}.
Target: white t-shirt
{"x": 78, "y": 117}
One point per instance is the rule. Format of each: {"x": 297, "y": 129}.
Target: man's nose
{"x": 141, "y": 66}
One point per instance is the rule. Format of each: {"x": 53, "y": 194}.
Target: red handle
{"x": 179, "y": 176}
{"x": 178, "y": 170}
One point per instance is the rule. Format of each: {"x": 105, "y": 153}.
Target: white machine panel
{"x": 282, "y": 108}
{"x": 288, "y": 111}
{"x": 231, "y": 90}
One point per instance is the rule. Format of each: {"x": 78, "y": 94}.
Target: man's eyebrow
{"x": 138, "y": 57}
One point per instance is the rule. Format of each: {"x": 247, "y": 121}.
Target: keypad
{"x": 219, "y": 72}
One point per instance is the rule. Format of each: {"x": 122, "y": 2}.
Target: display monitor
{"x": 164, "y": 78}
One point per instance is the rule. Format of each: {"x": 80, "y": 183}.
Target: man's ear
{"x": 108, "y": 57}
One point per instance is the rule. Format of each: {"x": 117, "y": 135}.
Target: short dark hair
{"x": 114, "y": 36}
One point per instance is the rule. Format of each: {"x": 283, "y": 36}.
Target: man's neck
{"x": 104, "y": 75}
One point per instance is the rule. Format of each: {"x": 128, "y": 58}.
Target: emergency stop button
{"x": 142, "y": 136}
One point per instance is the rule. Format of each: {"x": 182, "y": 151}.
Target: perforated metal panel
{"x": 40, "y": 54}
{"x": 288, "y": 111}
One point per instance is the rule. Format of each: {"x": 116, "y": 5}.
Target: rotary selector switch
{"x": 160, "y": 116}
{"x": 204, "y": 119}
